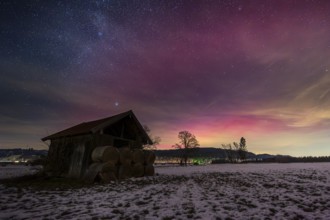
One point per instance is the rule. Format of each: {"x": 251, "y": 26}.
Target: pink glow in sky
{"x": 222, "y": 70}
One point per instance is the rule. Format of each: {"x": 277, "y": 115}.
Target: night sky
{"x": 219, "y": 69}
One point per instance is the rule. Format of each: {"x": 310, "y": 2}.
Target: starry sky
{"x": 219, "y": 69}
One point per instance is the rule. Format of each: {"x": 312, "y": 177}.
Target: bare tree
{"x": 242, "y": 151}
{"x": 230, "y": 152}
{"x": 155, "y": 139}
{"x": 236, "y": 148}
{"x": 236, "y": 151}
{"x": 187, "y": 144}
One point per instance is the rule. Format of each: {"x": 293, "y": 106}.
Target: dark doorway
{"x": 120, "y": 143}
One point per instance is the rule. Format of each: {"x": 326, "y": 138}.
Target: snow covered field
{"x": 10, "y": 171}
{"x": 224, "y": 191}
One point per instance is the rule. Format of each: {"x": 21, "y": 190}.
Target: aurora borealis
{"x": 219, "y": 69}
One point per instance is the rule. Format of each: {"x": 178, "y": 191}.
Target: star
{"x": 218, "y": 68}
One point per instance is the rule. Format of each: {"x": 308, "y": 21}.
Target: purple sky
{"x": 220, "y": 69}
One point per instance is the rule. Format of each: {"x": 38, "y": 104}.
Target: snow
{"x": 224, "y": 191}
{"x": 10, "y": 171}
{"x": 242, "y": 168}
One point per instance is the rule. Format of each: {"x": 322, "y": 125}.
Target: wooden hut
{"x": 70, "y": 150}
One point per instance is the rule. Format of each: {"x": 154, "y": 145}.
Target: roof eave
{"x": 107, "y": 123}
{"x": 64, "y": 136}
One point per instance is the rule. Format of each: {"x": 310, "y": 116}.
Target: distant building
{"x": 11, "y": 159}
{"x": 19, "y": 155}
{"x": 70, "y": 150}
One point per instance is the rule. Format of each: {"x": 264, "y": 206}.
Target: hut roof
{"x": 97, "y": 125}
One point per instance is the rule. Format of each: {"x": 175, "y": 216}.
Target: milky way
{"x": 220, "y": 69}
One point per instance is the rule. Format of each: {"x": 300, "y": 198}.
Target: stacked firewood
{"x": 110, "y": 163}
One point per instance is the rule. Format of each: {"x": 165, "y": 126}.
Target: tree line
{"x": 188, "y": 145}
{"x": 289, "y": 159}
{"x": 235, "y": 152}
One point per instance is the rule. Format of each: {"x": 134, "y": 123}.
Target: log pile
{"x": 110, "y": 164}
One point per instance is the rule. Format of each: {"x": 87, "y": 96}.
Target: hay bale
{"x": 92, "y": 172}
{"x": 105, "y": 154}
{"x": 149, "y": 170}
{"x": 137, "y": 170}
{"x": 109, "y": 172}
{"x": 107, "y": 177}
{"x": 106, "y": 171}
{"x": 149, "y": 157}
{"x": 125, "y": 157}
{"x": 124, "y": 171}
{"x": 137, "y": 156}
{"x": 109, "y": 167}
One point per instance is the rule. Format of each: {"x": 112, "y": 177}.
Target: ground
{"x": 225, "y": 191}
